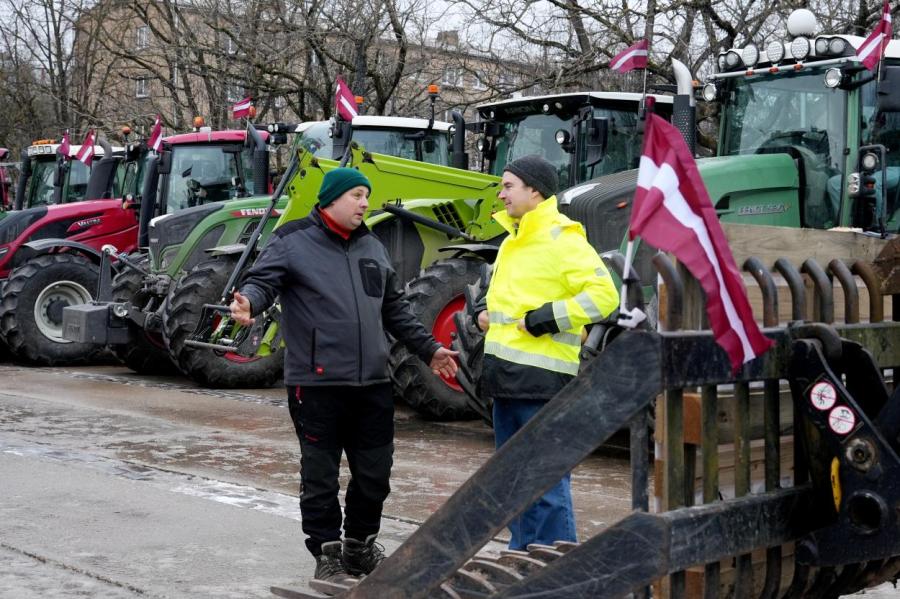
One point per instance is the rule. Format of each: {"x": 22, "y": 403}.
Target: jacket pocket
{"x": 335, "y": 350}
{"x": 370, "y": 273}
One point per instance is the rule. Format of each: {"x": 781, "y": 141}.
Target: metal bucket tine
{"x": 848, "y": 284}
{"x": 795, "y": 284}
{"x": 767, "y": 287}
{"x": 674, "y": 291}
{"x": 867, "y": 273}
{"x": 824, "y": 294}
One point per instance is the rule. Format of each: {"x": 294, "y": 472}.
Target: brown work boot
{"x": 329, "y": 565}
{"x": 361, "y": 557}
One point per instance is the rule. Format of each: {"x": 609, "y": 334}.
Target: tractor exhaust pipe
{"x": 459, "y": 158}
{"x": 100, "y": 184}
{"x": 684, "y": 109}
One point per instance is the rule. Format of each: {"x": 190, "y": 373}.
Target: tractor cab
{"x": 585, "y": 135}
{"x": 409, "y": 138}
{"x": 46, "y": 178}
{"x": 808, "y": 97}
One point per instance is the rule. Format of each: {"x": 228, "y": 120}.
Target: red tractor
{"x": 50, "y": 255}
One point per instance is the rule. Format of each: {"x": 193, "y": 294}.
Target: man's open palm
{"x": 443, "y": 362}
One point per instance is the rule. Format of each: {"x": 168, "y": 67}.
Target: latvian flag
{"x": 86, "y": 151}
{"x": 155, "y": 140}
{"x": 672, "y": 211}
{"x": 632, "y": 57}
{"x": 872, "y": 50}
{"x": 344, "y": 101}
{"x": 242, "y": 108}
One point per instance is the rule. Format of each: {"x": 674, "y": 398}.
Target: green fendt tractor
{"x": 192, "y": 253}
{"x": 807, "y": 138}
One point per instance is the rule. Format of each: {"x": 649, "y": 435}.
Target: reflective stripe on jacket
{"x": 546, "y": 261}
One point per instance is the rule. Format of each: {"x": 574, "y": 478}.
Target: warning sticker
{"x": 823, "y": 395}
{"x": 842, "y": 420}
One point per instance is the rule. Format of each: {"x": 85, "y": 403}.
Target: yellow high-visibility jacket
{"x": 547, "y": 267}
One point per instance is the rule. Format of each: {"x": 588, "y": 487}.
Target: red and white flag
{"x": 344, "y": 100}
{"x": 155, "y": 140}
{"x": 632, "y": 57}
{"x": 242, "y": 108}
{"x": 672, "y": 211}
{"x": 65, "y": 148}
{"x": 872, "y": 50}
{"x": 86, "y": 151}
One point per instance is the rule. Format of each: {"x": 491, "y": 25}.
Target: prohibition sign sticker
{"x": 823, "y": 395}
{"x": 842, "y": 420}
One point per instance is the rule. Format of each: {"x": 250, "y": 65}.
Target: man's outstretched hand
{"x": 240, "y": 310}
{"x": 443, "y": 364}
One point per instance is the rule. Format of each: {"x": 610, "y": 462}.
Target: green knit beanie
{"x": 339, "y": 180}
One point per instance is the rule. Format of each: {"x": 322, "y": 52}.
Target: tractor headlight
{"x": 710, "y": 92}
{"x": 800, "y": 48}
{"x": 833, "y": 77}
{"x": 853, "y": 183}
{"x": 870, "y": 161}
{"x": 720, "y": 62}
{"x": 732, "y": 59}
{"x": 837, "y": 46}
{"x": 750, "y": 55}
{"x": 821, "y": 46}
{"x": 481, "y": 144}
{"x": 775, "y": 51}
{"x": 562, "y": 136}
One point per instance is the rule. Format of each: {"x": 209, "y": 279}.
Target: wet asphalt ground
{"x": 118, "y": 485}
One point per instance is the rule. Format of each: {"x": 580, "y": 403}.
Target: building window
{"x": 141, "y": 87}
{"x": 452, "y": 76}
{"x": 479, "y": 81}
{"x": 507, "y": 81}
{"x": 142, "y": 38}
{"x": 231, "y": 46}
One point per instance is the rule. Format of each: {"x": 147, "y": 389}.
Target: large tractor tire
{"x": 435, "y": 296}
{"x": 181, "y": 313}
{"x": 31, "y": 308}
{"x": 146, "y": 353}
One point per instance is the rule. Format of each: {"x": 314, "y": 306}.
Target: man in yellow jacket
{"x": 547, "y": 284}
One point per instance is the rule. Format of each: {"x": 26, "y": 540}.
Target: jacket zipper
{"x": 358, "y": 316}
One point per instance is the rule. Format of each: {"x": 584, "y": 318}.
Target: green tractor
{"x": 805, "y": 140}
{"x": 192, "y": 252}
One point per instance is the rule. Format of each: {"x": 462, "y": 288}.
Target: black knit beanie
{"x": 536, "y": 172}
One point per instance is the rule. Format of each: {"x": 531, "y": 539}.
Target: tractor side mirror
{"x": 164, "y": 165}
{"x": 598, "y": 138}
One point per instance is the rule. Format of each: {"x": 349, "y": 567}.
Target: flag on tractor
{"x": 86, "y": 151}
{"x": 873, "y": 48}
{"x": 242, "y": 108}
{"x": 345, "y": 101}
{"x": 155, "y": 140}
{"x": 632, "y": 57}
{"x": 65, "y": 148}
{"x": 673, "y": 212}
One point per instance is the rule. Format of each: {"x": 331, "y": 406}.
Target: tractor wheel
{"x": 470, "y": 343}
{"x": 435, "y": 296}
{"x": 146, "y": 352}
{"x": 181, "y": 313}
{"x": 31, "y": 308}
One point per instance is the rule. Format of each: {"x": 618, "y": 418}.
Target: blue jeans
{"x": 551, "y": 518}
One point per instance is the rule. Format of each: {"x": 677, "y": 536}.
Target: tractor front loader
{"x": 779, "y": 480}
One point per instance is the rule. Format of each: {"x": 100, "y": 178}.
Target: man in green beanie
{"x": 338, "y": 294}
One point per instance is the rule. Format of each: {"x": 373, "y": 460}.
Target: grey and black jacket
{"x": 337, "y": 299}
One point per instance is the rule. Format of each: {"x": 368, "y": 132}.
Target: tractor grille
{"x": 447, "y": 214}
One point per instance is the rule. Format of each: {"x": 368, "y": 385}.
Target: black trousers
{"x": 360, "y": 422}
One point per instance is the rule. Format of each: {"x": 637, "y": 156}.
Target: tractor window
{"x": 623, "y": 145}
{"x": 133, "y": 174}
{"x": 883, "y": 128}
{"x": 201, "y": 175}
{"x": 317, "y": 140}
{"x": 76, "y": 183}
{"x": 405, "y": 144}
{"x": 40, "y": 187}
{"x": 533, "y": 134}
{"x": 792, "y": 113}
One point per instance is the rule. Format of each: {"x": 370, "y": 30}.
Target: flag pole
{"x": 626, "y": 273}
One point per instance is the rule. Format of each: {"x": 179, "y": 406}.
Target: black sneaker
{"x": 361, "y": 557}
{"x": 329, "y": 565}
